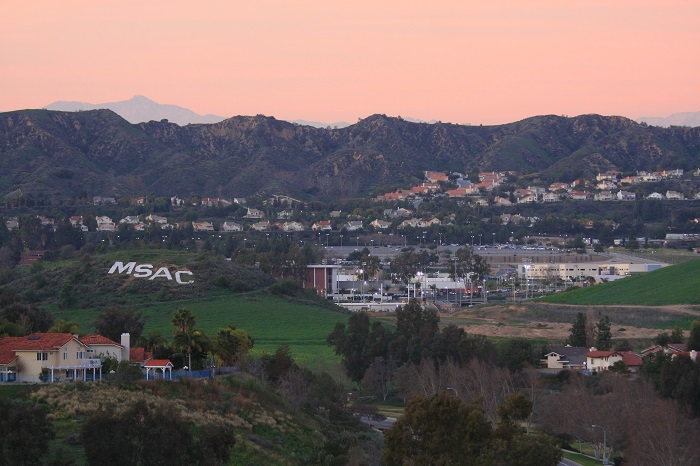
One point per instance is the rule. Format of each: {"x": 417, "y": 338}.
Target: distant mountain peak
{"x": 141, "y": 109}
{"x": 691, "y": 119}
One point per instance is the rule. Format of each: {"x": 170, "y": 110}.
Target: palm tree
{"x": 152, "y": 342}
{"x": 183, "y": 320}
{"x": 184, "y": 333}
{"x": 193, "y": 340}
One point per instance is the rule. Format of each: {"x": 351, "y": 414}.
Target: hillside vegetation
{"x": 678, "y": 284}
{"x": 63, "y": 154}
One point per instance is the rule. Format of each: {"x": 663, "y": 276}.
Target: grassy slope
{"x": 269, "y": 319}
{"x": 678, "y": 284}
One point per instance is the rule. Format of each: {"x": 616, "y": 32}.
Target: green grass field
{"x": 270, "y": 320}
{"x": 677, "y": 284}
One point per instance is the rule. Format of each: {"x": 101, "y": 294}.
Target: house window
{"x": 42, "y": 356}
{"x": 65, "y": 355}
{"x": 80, "y": 355}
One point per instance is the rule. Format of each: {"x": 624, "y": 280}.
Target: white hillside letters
{"x": 147, "y": 271}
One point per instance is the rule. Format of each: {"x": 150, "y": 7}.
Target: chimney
{"x": 693, "y": 355}
{"x": 126, "y": 343}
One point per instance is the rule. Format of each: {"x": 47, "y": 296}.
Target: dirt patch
{"x": 548, "y": 330}
{"x": 553, "y": 321}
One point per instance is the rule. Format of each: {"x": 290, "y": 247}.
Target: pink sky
{"x": 455, "y": 61}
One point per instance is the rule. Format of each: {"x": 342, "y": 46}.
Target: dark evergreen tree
{"x": 603, "y": 341}
{"x": 577, "y": 336}
{"x": 694, "y": 338}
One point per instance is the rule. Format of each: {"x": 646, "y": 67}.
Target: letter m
{"x": 120, "y": 267}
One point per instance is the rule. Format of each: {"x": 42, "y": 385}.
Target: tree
{"x": 144, "y": 434}
{"x": 183, "y": 320}
{"x": 405, "y": 265}
{"x": 230, "y": 344}
{"x": 195, "y": 342}
{"x": 114, "y": 321}
{"x": 65, "y": 326}
{"x": 677, "y": 335}
{"x": 577, "y": 336}
{"x": 438, "y": 430}
{"x": 152, "y": 342}
{"x": 603, "y": 341}
{"x": 378, "y": 377}
{"x": 25, "y": 433}
{"x": 694, "y": 337}
{"x": 443, "y": 430}
{"x": 351, "y": 344}
{"x": 469, "y": 263}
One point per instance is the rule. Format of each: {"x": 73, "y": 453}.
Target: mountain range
{"x": 60, "y": 154}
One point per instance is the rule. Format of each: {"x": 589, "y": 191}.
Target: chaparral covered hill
{"x": 64, "y": 154}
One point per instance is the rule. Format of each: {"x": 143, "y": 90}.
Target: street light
{"x": 605, "y": 435}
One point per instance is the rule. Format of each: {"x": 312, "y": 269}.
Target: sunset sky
{"x": 455, "y": 61}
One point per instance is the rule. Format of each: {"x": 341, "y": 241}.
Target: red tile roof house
{"x": 64, "y": 356}
{"x": 603, "y": 360}
{"x": 61, "y": 356}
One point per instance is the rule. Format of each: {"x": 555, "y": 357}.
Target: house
{"x": 657, "y": 196}
{"x": 141, "y": 200}
{"x": 502, "y": 201}
{"x": 566, "y": 357}
{"x": 285, "y": 214}
{"x": 102, "y": 347}
{"x": 105, "y": 223}
{"x": 380, "y": 224}
{"x": 202, "y": 226}
{"x": 231, "y": 226}
{"x": 434, "y": 177}
{"x": 322, "y": 225}
{"x": 77, "y": 221}
{"x": 353, "y": 225}
{"x": 601, "y": 360}
{"x": 410, "y": 223}
{"x": 630, "y": 180}
{"x": 674, "y": 195}
{"x": 261, "y": 226}
{"x": 604, "y": 360}
{"x": 12, "y": 223}
{"x": 527, "y": 198}
{"x": 397, "y": 213}
{"x": 176, "y": 201}
{"x": 292, "y": 226}
{"x": 215, "y": 202}
{"x": 50, "y": 356}
{"x": 550, "y": 197}
{"x": 157, "y": 219}
{"x": 603, "y": 196}
{"x": 429, "y": 222}
{"x": 102, "y": 200}
{"x": 606, "y": 185}
{"x": 130, "y": 220}
{"x": 625, "y": 196}
{"x": 578, "y": 195}
{"x": 611, "y": 175}
{"x": 554, "y": 187}
{"x": 335, "y": 213}
{"x": 254, "y": 214}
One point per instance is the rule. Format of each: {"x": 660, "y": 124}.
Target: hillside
{"x": 86, "y": 282}
{"x": 59, "y": 154}
{"x": 677, "y": 284}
